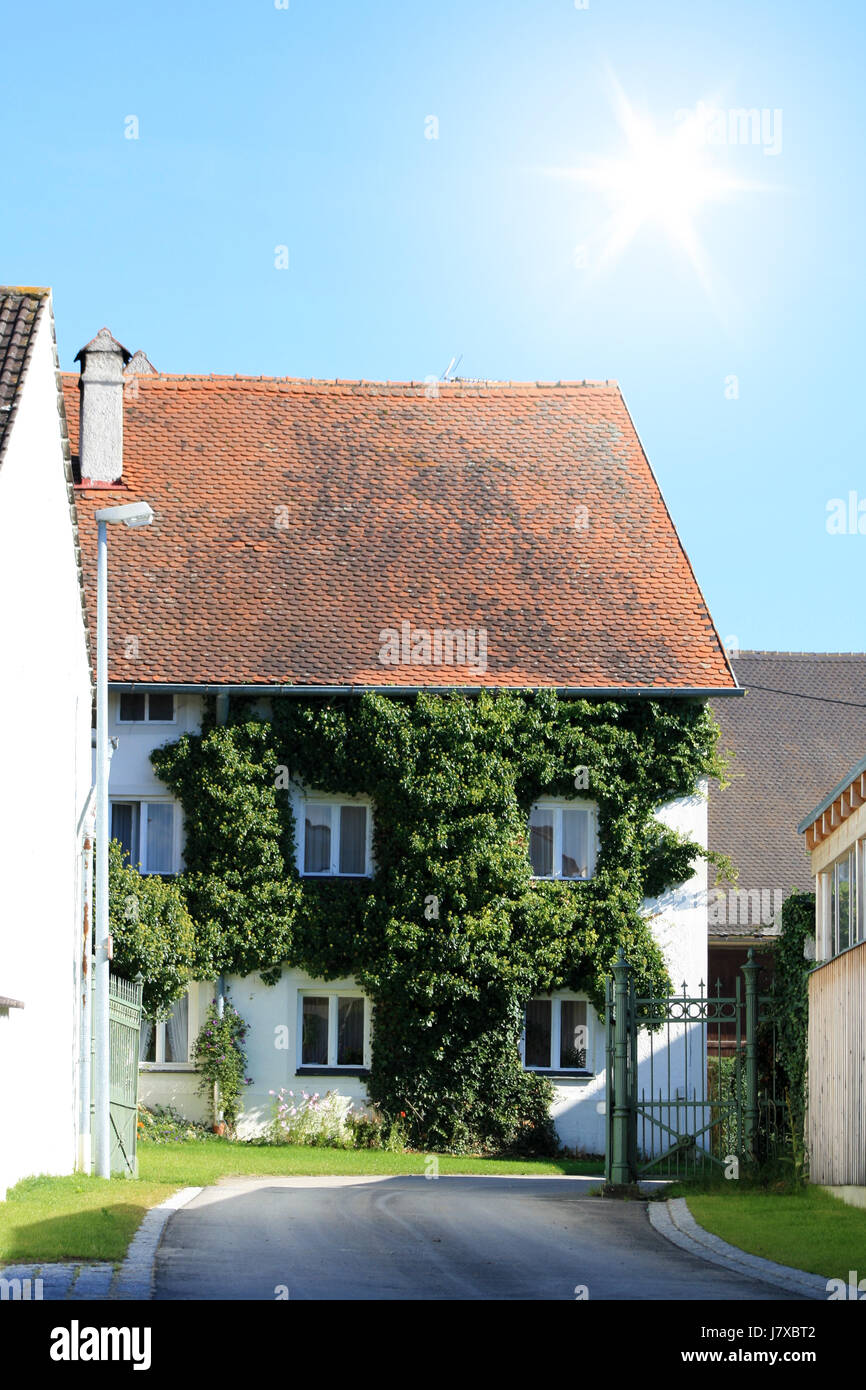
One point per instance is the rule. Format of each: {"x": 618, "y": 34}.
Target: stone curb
{"x": 135, "y": 1276}
{"x": 673, "y": 1220}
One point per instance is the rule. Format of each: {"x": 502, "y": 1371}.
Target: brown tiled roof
{"x": 296, "y": 520}
{"x": 799, "y": 728}
{"x": 20, "y": 306}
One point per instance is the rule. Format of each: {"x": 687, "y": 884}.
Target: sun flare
{"x": 661, "y": 181}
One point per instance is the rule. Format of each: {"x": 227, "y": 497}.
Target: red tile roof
{"x": 795, "y": 734}
{"x": 296, "y": 520}
{"x": 20, "y": 307}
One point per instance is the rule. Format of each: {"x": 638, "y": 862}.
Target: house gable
{"x": 301, "y": 525}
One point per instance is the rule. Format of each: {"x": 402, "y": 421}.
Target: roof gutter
{"x": 641, "y": 692}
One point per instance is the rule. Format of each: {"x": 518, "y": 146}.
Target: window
{"x": 556, "y": 1036}
{"x": 861, "y": 890}
{"x": 167, "y": 1044}
{"x": 336, "y": 838}
{"x": 562, "y": 840}
{"x": 847, "y": 899}
{"x": 146, "y": 830}
{"x": 151, "y": 707}
{"x": 333, "y": 1028}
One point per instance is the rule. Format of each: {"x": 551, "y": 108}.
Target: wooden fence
{"x": 837, "y": 1069}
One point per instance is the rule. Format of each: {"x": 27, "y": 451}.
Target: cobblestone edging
{"x": 135, "y": 1276}
{"x": 673, "y": 1220}
{"x": 75, "y": 1281}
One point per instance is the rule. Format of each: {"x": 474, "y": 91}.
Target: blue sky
{"x": 306, "y": 127}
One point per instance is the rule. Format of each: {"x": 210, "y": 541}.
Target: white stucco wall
{"x": 678, "y": 922}
{"x": 131, "y": 773}
{"x": 45, "y": 716}
{"x": 177, "y": 1085}
{"x": 272, "y": 1011}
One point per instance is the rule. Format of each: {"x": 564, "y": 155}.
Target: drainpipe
{"x": 222, "y": 714}
{"x": 84, "y": 1059}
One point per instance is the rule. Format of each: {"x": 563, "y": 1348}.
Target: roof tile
{"x": 296, "y": 520}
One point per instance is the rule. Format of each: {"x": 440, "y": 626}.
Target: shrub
{"x": 152, "y": 931}
{"x": 373, "y": 1130}
{"x": 790, "y": 1009}
{"x": 311, "y": 1119}
{"x": 162, "y": 1124}
{"x": 220, "y": 1057}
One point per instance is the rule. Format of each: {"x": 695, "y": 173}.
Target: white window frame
{"x": 314, "y": 799}
{"x": 159, "y": 1047}
{"x": 147, "y": 719}
{"x": 856, "y": 894}
{"x": 556, "y": 1000}
{"x": 333, "y": 996}
{"x": 142, "y": 831}
{"x": 557, "y": 805}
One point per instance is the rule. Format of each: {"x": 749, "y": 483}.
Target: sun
{"x": 660, "y": 181}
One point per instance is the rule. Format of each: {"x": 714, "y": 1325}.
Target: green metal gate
{"x": 124, "y": 1026}
{"x": 690, "y": 1079}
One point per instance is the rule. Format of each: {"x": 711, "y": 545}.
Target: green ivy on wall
{"x": 790, "y": 1010}
{"x": 152, "y": 931}
{"x": 451, "y": 936}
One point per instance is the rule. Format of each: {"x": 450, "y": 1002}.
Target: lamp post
{"x": 133, "y": 515}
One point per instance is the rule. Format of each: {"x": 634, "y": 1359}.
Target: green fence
{"x": 690, "y": 1080}
{"x": 124, "y": 1026}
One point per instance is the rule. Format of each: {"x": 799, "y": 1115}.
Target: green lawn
{"x": 808, "y": 1229}
{"x": 84, "y": 1218}
{"x": 74, "y": 1218}
{"x": 196, "y": 1165}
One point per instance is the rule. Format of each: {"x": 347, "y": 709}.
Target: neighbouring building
{"x": 317, "y": 539}
{"x": 835, "y": 834}
{"x": 45, "y": 754}
{"x": 790, "y": 736}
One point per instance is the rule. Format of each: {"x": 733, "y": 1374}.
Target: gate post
{"x": 750, "y": 970}
{"x": 620, "y": 1171}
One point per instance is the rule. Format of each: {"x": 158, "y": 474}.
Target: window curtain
{"x": 350, "y": 1033}
{"x": 573, "y": 1036}
{"x": 124, "y": 827}
{"x": 177, "y": 1032}
{"x": 146, "y": 1049}
{"x": 353, "y": 839}
{"x": 160, "y": 838}
{"x": 541, "y": 844}
{"x": 575, "y": 844}
{"x": 317, "y": 840}
{"x": 314, "y": 1041}
{"x": 538, "y": 1033}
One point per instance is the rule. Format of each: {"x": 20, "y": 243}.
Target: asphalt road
{"x": 405, "y": 1238}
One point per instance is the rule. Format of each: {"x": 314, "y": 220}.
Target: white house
{"x": 45, "y": 754}
{"x": 296, "y": 524}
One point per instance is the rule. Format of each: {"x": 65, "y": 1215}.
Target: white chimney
{"x": 101, "y": 386}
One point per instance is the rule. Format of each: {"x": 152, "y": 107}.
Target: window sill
{"x": 559, "y": 878}
{"x": 166, "y": 1066}
{"x": 561, "y": 1075}
{"x": 333, "y": 1071}
{"x": 349, "y": 877}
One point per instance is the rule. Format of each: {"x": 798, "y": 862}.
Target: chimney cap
{"x": 140, "y": 365}
{"x": 103, "y": 342}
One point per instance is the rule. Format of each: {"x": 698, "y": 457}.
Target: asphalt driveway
{"x": 402, "y": 1238}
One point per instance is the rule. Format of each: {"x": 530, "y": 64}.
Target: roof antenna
{"x": 452, "y": 366}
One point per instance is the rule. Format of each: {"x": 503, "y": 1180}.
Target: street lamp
{"x": 133, "y": 514}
